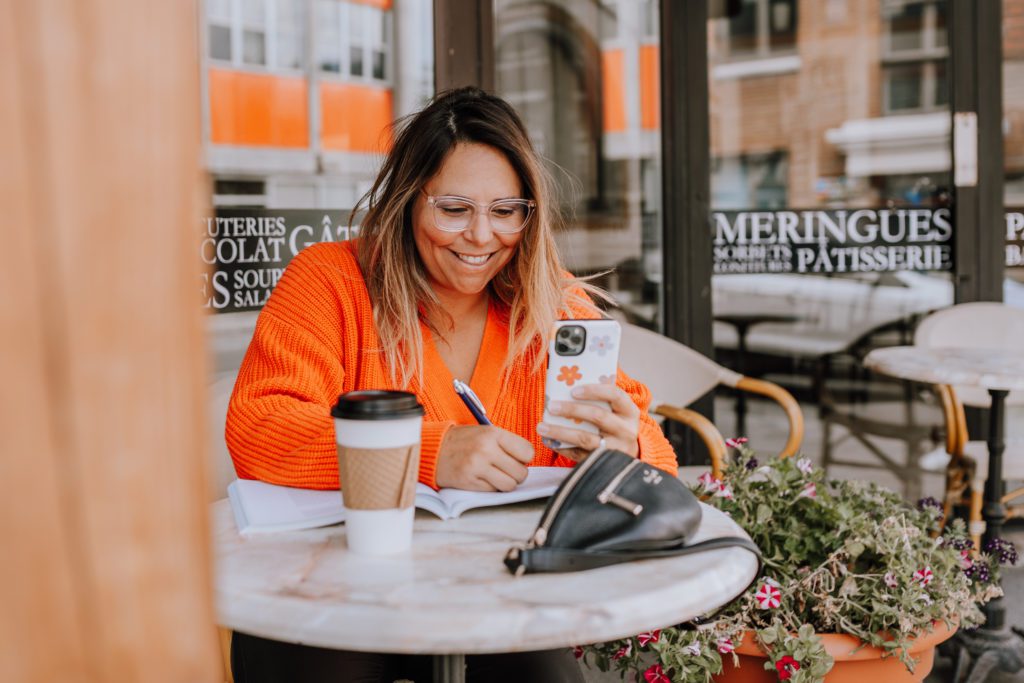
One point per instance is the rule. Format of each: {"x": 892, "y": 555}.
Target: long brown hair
{"x": 532, "y": 286}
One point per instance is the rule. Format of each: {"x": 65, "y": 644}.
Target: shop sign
{"x": 245, "y": 251}
{"x": 832, "y": 240}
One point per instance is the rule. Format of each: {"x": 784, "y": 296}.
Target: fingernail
{"x": 555, "y": 407}
{"x": 577, "y": 392}
{"x": 542, "y": 428}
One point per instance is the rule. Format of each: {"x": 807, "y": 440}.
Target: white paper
{"x": 261, "y": 508}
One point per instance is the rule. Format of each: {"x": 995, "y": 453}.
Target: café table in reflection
{"x": 451, "y": 595}
{"x": 999, "y": 371}
{"x": 742, "y": 322}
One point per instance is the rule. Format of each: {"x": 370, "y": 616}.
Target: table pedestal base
{"x": 978, "y": 653}
{"x": 449, "y": 669}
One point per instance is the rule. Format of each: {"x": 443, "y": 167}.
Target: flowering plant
{"x": 839, "y": 557}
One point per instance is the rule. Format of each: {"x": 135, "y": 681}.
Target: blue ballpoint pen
{"x": 472, "y": 402}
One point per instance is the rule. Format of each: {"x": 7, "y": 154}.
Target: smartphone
{"x": 580, "y": 352}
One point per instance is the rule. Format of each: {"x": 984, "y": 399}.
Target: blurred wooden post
{"x": 105, "y": 567}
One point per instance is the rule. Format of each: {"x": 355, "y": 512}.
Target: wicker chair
{"x": 977, "y": 325}
{"x": 677, "y": 376}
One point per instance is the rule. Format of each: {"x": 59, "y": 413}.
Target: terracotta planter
{"x": 851, "y": 665}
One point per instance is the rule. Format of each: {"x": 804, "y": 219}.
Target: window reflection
{"x": 584, "y": 76}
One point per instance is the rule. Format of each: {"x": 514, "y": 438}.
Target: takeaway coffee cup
{"x": 378, "y": 436}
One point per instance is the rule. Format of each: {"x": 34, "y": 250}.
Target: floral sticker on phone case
{"x": 601, "y": 345}
{"x": 570, "y": 374}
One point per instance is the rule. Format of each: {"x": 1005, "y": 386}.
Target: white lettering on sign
{"x": 862, "y": 226}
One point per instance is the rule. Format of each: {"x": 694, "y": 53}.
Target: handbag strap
{"x": 544, "y": 559}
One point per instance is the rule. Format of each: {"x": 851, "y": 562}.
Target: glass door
{"x": 831, "y": 215}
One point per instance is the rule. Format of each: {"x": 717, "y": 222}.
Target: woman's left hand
{"x": 618, "y": 426}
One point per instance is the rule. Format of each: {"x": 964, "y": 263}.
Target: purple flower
{"x": 1003, "y": 549}
{"x": 928, "y": 502}
{"x": 751, "y": 464}
{"x": 979, "y": 572}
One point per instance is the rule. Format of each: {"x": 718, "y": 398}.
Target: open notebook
{"x": 260, "y": 507}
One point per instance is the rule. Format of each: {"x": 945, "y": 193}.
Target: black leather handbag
{"x": 614, "y": 508}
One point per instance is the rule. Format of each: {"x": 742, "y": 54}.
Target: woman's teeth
{"x": 473, "y": 260}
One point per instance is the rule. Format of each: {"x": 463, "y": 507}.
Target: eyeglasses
{"x": 455, "y": 214}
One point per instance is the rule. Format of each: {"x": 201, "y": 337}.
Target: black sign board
{"x": 832, "y": 240}
{"x": 246, "y": 251}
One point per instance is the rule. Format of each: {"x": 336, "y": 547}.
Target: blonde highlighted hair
{"x": 532, "y": 287}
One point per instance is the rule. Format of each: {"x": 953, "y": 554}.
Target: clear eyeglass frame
{"x": 449, "y": 223}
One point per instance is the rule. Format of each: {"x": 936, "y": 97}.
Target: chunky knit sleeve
{"x": 279, "y": 428}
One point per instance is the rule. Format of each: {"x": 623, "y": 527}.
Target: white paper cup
{"x": 378, "y": 437}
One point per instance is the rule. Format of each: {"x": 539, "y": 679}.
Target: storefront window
{"x": 830, "y": 215}
{"x": 292, "y": 145}
{"x": 584, "y": 77}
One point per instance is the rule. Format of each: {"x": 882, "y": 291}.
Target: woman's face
{"x": 463, "y": 263}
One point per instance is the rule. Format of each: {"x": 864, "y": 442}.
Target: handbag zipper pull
{"x": 608, "y": 495}
{"x": 618, "y": 501}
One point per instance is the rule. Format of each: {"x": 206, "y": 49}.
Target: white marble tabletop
{"x": 984, "y": 368}
{"x": 451, "y": 593}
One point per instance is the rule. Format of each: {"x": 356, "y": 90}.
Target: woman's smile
{"x": 462, "y": 264}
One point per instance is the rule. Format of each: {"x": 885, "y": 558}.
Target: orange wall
{"x": 257, "y": 109}
{"x": 614, "y": 91}
{"x": 355, "y": 118}
{"x": 649, "y": 87}
{"x": 613, "y": 73}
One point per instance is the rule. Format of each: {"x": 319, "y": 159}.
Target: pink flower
{"x": 923, "y": 576}
{"x": 890, "y": 580}
{"x": 725, "y": 646}
{"x": 736, "y": 442}
{"x": 577, "y": 652}
{"x": 810, "y": 490}
{"x": 966, "y": 561}
{"x": 723, "y": 491}
{"x": 648, "y": 637}
{"x": 804, "y": 465}
{"x": 656, "y": 674}
{"x": 708, "y": 482}
{"x": 768, "y": 596}
{"x": 624, "y": 651}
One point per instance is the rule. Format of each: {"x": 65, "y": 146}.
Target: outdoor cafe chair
{"x": 980, "y": 325}
{"x": 677, "y": 376}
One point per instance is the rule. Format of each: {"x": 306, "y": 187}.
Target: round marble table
{"x": 998, "y": 371}
{"x": 451, "y": 595}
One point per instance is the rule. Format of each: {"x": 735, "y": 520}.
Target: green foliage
{"x": 844, "y": 557}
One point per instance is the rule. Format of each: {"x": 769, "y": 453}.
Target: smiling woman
{"x": 455, "y": 276}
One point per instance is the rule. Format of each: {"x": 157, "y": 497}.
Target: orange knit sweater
{"x": 315, "y": 339}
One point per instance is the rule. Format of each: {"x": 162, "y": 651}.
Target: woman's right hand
{"x": 482, "y": 458}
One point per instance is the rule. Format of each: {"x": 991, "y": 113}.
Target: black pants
{"x": 258, "y": 660}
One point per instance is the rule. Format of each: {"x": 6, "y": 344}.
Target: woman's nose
{"x": 479, "y": 230}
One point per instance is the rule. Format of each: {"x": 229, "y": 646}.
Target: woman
{"x": 454, "y": 276}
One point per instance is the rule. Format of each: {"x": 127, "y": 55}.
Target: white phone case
{"x": 596, "y": 364}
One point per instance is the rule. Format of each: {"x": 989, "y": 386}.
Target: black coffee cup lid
{"x": 377, "y": 405}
